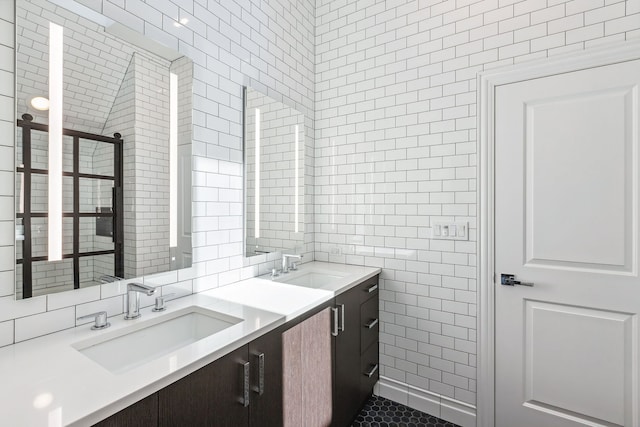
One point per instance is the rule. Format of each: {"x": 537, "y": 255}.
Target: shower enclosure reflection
{"x": 124, "y": 156}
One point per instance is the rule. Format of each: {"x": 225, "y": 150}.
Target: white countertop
{"x": 292, "y": 300}
{"x": 46, "y": 382}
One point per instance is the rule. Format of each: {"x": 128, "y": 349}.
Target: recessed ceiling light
{"x": 39, "y": 103}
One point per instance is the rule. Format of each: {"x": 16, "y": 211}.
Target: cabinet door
{"x": 210, "y": 397}
{"x": 307, "y": 363}
{"x": 141, "y": 414}
{"x": 265, "y": 355}
{"x": 347, "y": 391}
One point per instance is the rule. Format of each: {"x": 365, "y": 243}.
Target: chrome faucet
{"x": 285, "y": 261}
{"x": 133, "y": 298}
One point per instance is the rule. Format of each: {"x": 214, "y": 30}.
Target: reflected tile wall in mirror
{"x": 109, "y": 85}
{"x": 274, "y": 175}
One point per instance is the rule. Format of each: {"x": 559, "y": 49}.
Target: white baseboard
{"x": 443, "y": 407}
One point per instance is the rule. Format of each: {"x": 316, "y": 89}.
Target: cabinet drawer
{"x": 368, "y": 288}
{"x": 369, "y": 324}
{"x": 370, "y": 370}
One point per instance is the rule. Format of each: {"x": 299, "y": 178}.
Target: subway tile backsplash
{"x": 44, "y": 323}
{"x": 6, "y": 333}
{"x": 388, "y": 92}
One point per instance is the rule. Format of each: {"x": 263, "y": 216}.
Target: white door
{"x": 566, "y": 219}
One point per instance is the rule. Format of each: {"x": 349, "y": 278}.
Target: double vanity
{"x": 264, "y": 351}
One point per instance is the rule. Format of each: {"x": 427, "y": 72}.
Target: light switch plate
{"x": 458, "y": 230}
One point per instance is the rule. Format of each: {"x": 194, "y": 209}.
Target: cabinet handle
{"x": 260, "y": 374}
{"x": 245, "y": 385}
{"x": 372, "y": 371}
{"x": 373, "y": 288}
{"x": 334, "y": 332}
{"x": 342, "y": 322}
{"x": 371, "y": 324}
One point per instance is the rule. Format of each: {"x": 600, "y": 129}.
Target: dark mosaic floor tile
{"x": 381, "y": 412}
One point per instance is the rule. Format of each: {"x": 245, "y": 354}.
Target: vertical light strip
{"x": 173, "y": 160}
{"x": 55, "y": 142}
{"x": 21, "y": 196}
{"x": 257, "y": 194}
{"x": 296, "y": 152}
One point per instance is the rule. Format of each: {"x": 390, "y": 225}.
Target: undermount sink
{"x": 130, "y": 347}
{"x": 310, "y": 279}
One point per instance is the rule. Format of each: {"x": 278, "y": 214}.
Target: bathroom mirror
{"x": 103, "y": 151}
{"x": 273, "y": 173}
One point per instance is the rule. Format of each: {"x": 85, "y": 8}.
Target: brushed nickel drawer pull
{"x": 373, "y": 288}
{"x": 372, "y": 371}
{"x": 371, "y": 324}
{"x": 260, "y": 387}
{"x": 245, "y": 384}
{"x": 334, "y": 332}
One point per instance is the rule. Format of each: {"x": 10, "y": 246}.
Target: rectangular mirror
{"x": 103, "y": 151}
{"x": 274, "y": 175}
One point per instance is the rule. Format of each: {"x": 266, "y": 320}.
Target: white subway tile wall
{"x": 233, "y": 43}
{"x": 392, "y": 86}
{"x": 396, "y": 151}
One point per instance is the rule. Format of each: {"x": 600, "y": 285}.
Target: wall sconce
{"x": 55, "y": 141}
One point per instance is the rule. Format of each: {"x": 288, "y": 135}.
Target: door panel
{"x": 293, "y": 375}
{"x": 316, "y": 365}
{"x": 589, "y": 350}
{"x": 307, "y": 363}
{"x": 566, "y": 196}
{"x": 265, "y": 354}
{"x": 210, "y": 397}
{"x": 567, "y": 139}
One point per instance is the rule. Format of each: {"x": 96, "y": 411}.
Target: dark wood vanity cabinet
{"x": 297, "y": 374}
{"x": 215, "y": 395}
{"x": 346, "y": 390}
{"x": 265, "y": 356}
{"x": 356, "y": 350}
{"x": 243, "y": 388}
{"x": 143, "y": 413}
{"x": 209, "y": 397}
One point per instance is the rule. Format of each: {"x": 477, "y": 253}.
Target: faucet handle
{"x": 294, "y": 266}
{"x": 100, "y": 320}
{"x": 160, "y": 302}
